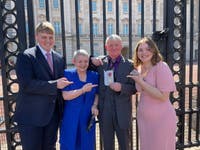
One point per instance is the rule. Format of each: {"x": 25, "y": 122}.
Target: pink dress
{"x": 157, "y": 119}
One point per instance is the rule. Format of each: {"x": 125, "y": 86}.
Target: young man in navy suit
{"x": 39, "y": 103}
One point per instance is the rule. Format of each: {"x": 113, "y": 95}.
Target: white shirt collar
{"x": 43, "y": 51}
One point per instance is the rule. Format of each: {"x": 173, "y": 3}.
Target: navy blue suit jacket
{"x": 38, "y": 95}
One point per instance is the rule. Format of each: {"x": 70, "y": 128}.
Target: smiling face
{"x": 145, "y": 53}
{"x": 114, "y": 48}
{"x": 45, "y": 40}
{"x": 81, "y": 63}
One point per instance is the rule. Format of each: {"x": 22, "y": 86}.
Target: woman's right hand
{"x": 135, "y": 75}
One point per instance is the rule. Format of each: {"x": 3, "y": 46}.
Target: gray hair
{"x": 80, "y": 52}
{"x": 113, "y": 37}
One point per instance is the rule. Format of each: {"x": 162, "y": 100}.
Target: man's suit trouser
{"x": 39, "y": 138}
{"x": 108, "y": 128}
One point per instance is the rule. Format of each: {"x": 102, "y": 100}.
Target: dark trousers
{"x": 108, "y": 128}
{"x": 39, "y": 138}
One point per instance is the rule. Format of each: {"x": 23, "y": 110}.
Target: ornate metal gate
{"x": 178, "y": 37}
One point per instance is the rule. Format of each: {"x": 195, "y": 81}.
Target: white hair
{"x": 80, "y": 52}
{"x": 113, "y": 37}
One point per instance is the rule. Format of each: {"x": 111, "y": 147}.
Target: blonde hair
{"x": 45, "y": 27}
{"x": 80, "y": 52}
{"x": 157, "y": 57}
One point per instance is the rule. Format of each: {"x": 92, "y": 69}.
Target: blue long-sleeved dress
{"x": 77, "y": 112}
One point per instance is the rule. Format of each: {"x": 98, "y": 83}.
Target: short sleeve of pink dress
{"x": 164, "y": 78}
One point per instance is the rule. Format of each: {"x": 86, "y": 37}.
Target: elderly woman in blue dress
{"x": 80, "y": 104}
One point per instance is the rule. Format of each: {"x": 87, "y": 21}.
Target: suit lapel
{"x": 55, "y": 64}
{"x": 120, "y": 67}
{"x": 106, "y": 63}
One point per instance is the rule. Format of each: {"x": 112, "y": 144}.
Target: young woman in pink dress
{"x": 156, "y": 115}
